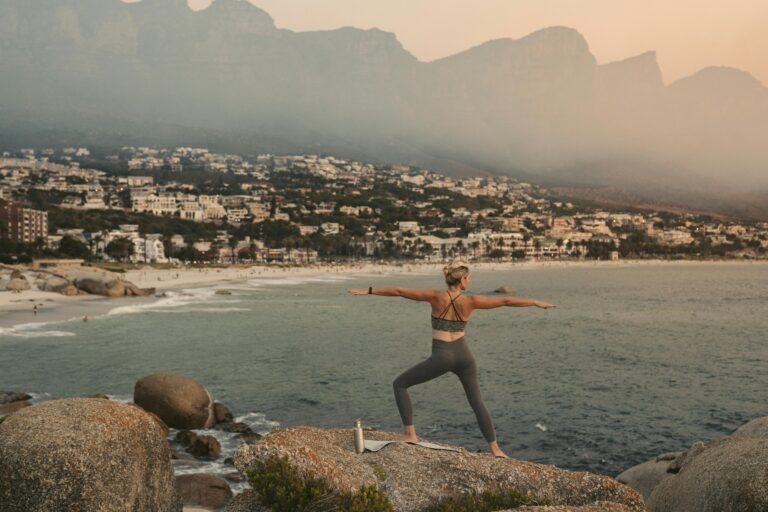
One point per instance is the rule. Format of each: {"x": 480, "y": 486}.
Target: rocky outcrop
{"x": 7, "y": 397}
{"x": 503, "y": 290}
{"x": 179, "y": 401}
{"x": 205, "y": 447}
{"x": 13, "y": 407}
{"x": 17, "y": 284}
{"x": 595, "y": 507}
{"x": 411, "y": 477}
{"x": 755, "y": 428}
{"x": 726, "y": 475}
{"x": 222, "y": 413}
{"x": 59, "y": 285}
{"x": 203, "y": 490}
{"x": 646, "y": 476}
{"x": 99, "y": 285}
{"x": 83, "y": 454}
{"x": 11, "y": 401}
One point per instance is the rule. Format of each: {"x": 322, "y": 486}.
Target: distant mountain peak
{"x": 640, "y": 71}
{"x": 240, "y": 16}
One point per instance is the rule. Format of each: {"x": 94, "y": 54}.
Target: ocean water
{"x": 635, "y": 361}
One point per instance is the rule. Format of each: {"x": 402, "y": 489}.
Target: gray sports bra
{"x": 443, "y": 324}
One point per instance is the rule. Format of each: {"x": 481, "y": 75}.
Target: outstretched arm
{"x": 408, "y": 293}
{"x": 480, "y": 302}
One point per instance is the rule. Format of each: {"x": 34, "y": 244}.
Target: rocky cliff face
{"x": 104, "y": 71}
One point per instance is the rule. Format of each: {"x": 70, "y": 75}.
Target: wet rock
{"x": 418, "y": 477}
{"x": 235, "y": 427}
{"x": 6, "y": 397}
{"x": 179, "y": 401}
{"x": 186, "y": 437}
{"x": 102, "y": 396}
{"x": 222, "y": 413}
{"x": 729, "y": 474}
{"x": 51, "y": 452}
{"x": 203, "y": 490}
{"x": 646, "y": 476}
{"x": 183, "y": 456}
{"x": 251, "y": 438}
{"x": 223, "y": 292}
{"x": 205, "y": 447}
{"x": 233, "y": 476}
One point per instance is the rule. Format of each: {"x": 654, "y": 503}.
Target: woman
{"x": 450, "y": 351}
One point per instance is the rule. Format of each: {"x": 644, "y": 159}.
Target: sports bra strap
{"x": 452, "y": 304}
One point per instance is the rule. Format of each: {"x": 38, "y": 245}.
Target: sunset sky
{"x": 687, "y": 34}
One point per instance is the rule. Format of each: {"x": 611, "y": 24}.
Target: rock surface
{"x": 7, "y": 397}
{"x": 205, "y": 447}
{"x": 601, "y": 506}
{"x": 83, "y": 454}
{"x": 179, "y": 401}
{"x": 415, "y": 477}
{"x": 59, "y": 285}
{"x": 755, "y": 428}
{"x": 203, "y": 490}
{"x": 726, "y": 475}
{"x": 99, "y": 285}
{"x": 17, "y": 285}
{"x": 646, "y": 476}
{"x": 13, "y": 407}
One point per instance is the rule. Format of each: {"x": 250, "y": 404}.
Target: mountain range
{"x": 105, "y": 72}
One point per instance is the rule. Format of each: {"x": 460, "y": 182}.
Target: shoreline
{"x": 16, "y": 309}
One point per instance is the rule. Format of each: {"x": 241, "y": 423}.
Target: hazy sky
{"x": 687, "y": 34}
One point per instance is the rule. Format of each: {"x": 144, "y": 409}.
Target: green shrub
{"x": 281, "y": 488}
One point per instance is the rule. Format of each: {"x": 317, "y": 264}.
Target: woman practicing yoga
{"x": 450, "y": 351}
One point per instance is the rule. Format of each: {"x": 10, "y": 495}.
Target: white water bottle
{"x": 359, "y": 440}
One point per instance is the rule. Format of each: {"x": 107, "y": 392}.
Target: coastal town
{"x": 191, "y": 205}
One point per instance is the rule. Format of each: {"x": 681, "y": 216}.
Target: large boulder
{"x": 411, "y": 477}
{"x": 17, "y": 284}
{"x": 59, "y": 285}
{"x": 101, "y": 285}
{"x": 726, "y": 475}
{"x": 179, "y": 401}
{"x": 755, "y": 428}
{"x": 646, "y": 476}
{"x": 203, "y": 490}
{"x": 85, "y": 455}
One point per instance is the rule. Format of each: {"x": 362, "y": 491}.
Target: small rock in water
{"x": 7, "y": 397}
{"x": 205, "y": 447}
{"x": 541, "y": 427}
{"x": 186, "y": 437}
{"x": 223, "y": 292}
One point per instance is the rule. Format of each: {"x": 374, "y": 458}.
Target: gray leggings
{"x": 447, "y": 356}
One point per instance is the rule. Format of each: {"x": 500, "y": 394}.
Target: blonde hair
{"x": 455, "y": 272}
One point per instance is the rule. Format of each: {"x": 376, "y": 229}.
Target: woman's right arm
{"x": 480, "y": 302}
{"x": 407, "y": 293}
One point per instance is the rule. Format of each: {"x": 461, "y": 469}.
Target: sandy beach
{"x": 18, "y": 308}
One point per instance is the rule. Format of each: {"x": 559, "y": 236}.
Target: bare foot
{"x": 409, "y": 434}
{"x": 496, "y": 451}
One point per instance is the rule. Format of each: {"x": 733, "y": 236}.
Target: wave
{"x": 171, "y": 300}
{"x": 33, "y": 330}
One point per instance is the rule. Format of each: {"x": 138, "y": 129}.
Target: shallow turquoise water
{"x": 635, "y": 361}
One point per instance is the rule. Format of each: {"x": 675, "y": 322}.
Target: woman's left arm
{"x": 407, "y": 293}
